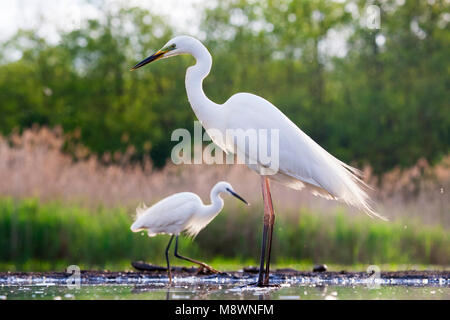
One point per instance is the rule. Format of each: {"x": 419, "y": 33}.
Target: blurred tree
{"x": 383, "y": 102}
{"x": 380, "y": 98}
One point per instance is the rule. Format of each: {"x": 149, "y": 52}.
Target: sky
{"x": 67, "y": 14}
{"x": 51, "y": 15}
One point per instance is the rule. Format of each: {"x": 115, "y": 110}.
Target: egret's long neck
{"x": 205, "y": 109}
{"x": 211, "y": 210}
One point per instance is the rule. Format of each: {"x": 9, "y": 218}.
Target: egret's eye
{"x": 169, "y": 48}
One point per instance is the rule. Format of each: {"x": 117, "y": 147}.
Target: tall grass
{"x": 54, "y": 208}
{"x": 32, "y": 164}
{"x": 53, "y": 231}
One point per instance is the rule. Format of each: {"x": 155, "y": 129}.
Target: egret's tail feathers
{"x": 338, "y": 181}
{"x": 353, "y": 170}
{"x": 343, "y": 182}
{"x": 354, "y": 194}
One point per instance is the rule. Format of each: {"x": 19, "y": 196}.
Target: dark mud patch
{"x": 192, "y": 284}
{"x": 247, "y": 275}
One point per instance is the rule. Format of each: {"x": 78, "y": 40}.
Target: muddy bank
{"x": 156, "y": 274}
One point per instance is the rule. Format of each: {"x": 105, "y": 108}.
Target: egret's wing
{"x": 299, "y": 156}
{"x": 196, "y": 224}
{"x": 170, "y": 215}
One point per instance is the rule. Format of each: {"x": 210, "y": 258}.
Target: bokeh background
{"x": 84, "y": 141}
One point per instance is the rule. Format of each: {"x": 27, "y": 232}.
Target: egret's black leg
{"x": 269, "y": 249}
{"x": 204, "y": 265}
{"x": 265, "y": 231}
{"x": 167, "y": 260}
{"x": 262, "y": 258}
{"x": 270, "y": 233}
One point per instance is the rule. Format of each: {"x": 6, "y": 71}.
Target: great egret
{"x": 302, "y": 162}
{"x": 180, "y": 212}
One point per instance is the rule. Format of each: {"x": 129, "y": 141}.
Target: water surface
{"x": 223, "y": 287}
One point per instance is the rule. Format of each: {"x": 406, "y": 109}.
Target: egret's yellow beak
{"x": 157, "y": 55}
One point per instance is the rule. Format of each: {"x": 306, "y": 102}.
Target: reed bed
{"x": 55, "y": 232}
{"x": 60, "y": 204}
{"x": 33, "y": 164}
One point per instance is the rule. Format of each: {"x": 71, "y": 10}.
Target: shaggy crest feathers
{"x": 141, "y": 208}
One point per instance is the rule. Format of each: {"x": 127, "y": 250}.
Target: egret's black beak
{"x": 153, "y": 57}
{"x": 237, "y": 196}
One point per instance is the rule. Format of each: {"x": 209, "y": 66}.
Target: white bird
{"x": 302, "y": 162}
{"x": 180, "y": 212}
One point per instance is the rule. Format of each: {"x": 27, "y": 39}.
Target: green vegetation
{"x": 42, "y": 236}
{"x": 383, "y": 100}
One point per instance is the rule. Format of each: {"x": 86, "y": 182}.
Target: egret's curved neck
{"x": 211, "y": 210}
{"x": 203, "y": 107}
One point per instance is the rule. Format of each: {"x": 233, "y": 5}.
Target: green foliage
{"x": 84, "y": 82}
{"x": 384, "y": 105}
{"x": 53, "y": 232}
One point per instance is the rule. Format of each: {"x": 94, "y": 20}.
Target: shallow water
{"x": 298, "y": 292}
{"x": 219, "y": 287}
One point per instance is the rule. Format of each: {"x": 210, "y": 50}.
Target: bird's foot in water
{"x": 263, "y": 285}
{"x": 205, "y": 269}
{"x": 268, "y": 285}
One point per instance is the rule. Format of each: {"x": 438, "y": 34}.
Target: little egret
{"x": 302, "y": 162}
{"x": 180, "y": 212}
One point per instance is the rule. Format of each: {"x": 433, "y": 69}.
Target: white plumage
{"x": 301, "y": 162}
{"x": 168, "y": 216}
{"x": 180, "y": 212}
